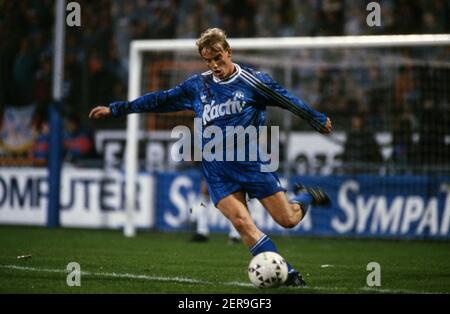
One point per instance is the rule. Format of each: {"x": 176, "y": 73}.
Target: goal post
{"x": 139, "y": 47}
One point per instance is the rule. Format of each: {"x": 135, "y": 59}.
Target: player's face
{"x": 218, "y": 61}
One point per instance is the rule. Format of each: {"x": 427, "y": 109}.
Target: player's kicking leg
{"x": 289, "y": 213}
{"x": 306, "y": 196}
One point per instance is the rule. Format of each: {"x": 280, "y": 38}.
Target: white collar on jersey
{"x": 230, "y": 78}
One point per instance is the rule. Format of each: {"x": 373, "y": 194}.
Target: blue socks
{"x": 265, "y": 244}
{"x": 304, "y": 200}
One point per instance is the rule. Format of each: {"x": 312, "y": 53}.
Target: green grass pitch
{"x": 155, "y": 262}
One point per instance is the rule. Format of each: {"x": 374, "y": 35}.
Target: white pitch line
{"x": 196, "y": 281}
{"x": 130, "y": 276}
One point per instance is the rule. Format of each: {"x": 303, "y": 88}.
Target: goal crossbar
{"x": 301, "y": 42}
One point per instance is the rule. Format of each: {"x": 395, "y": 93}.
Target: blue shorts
{"x": 227, "y": 178}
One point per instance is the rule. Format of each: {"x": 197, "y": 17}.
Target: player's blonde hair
{"x": 211, "y": 39}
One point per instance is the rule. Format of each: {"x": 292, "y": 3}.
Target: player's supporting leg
{"x": 234, "y": 207}
{"x": 233, "y": 236}
{"x": 289, "y": 214}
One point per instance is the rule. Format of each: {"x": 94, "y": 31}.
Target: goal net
{"x": 388, "y": 98}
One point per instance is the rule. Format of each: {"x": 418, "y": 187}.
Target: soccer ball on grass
{"x": 268, "y": 270}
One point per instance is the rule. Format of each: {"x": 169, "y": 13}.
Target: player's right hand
{"x": 100, "y": 112}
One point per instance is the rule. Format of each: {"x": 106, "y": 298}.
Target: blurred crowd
{"x": 96, "y": 54}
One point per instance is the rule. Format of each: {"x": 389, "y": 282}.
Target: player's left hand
{"x": 327, "y": 128}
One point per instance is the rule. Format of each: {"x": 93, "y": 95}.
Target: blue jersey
{"x": 239, "y": 100}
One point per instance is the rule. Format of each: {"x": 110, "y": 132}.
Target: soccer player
{"x": 247, "y": 91}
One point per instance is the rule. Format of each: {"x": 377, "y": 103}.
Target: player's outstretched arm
{"x": 280, "y": 97}
{"x": 100, "y": 112}
{"x": 175, "y": 99}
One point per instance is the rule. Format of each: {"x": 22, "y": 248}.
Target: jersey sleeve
{"x": 175, "y": 99}
{"x": 276, "y": 95}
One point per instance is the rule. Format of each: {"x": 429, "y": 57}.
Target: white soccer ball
{"x": 268, "y": 270}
